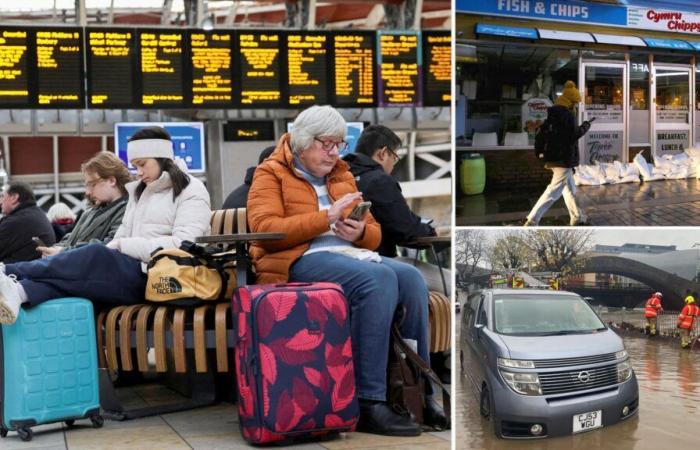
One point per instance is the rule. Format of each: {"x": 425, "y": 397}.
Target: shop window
{"x": 508, "y": 89}
{"x": 672, "y": 96}
{"x": 639, "y": 99}
{"x": 697, "y": 104}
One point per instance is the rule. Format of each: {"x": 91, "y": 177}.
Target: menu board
{"x": 161, "y": 68}
{"x": 110, "y": 68}
{"x": 353, "y": 69}
{"x": 210, "y": 57}
{"x": 307, "y": 68}
{"x": 437, "y": 68}
{"x": 14, "y": 77}
{"x": 59, "y": 67}
{"x": 399, "y": 69}
{"x": 259, "y": 56}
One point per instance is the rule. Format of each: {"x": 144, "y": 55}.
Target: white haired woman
{"x": 304, "y": 190}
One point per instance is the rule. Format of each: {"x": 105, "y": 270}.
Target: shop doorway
{"x": 604, "y": 99}
{"x": 671, "y": 99}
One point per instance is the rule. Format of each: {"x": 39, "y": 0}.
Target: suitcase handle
{"x": 298, "y": 284}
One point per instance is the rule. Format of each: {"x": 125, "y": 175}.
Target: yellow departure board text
{"x": 353, "y": 69}
{"x": 399, "y": 69}
{"x": 59, "y": 67}
{"x": 437, "y": 64}
{"x": 14, "y": 81}
{"x": 307, "y": 58}
{"x": 210, "y": 55}
{"x": 161, "y": 68}
{"x": 260, "y": 68}
{"x": 110, "y": 64}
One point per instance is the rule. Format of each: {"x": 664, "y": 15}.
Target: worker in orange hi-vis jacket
{"x": 651, "y": 311}
{"x": 686, "y": 319}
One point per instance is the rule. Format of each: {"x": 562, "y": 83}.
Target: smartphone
{"x": 592, "y": 119}
{"x": 38, "y": 242}
{"x": 359, "y": 211}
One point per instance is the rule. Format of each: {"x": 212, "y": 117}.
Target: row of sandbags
{"x": 668, "y": 167}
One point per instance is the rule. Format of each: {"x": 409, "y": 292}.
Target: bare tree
{"x": 557, "y": 249}
{"x": 510, "y": 251}
{"x": 470, "y": 250}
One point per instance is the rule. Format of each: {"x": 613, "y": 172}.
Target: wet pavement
{"x": 668, "y": 418}
{"x": 659, "y": 203}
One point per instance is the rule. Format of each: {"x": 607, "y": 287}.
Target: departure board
{"x": 210, "y": 57}
{"x": 307, "y": 68}
{"x": 59, "y": 67}
{"x": 399, "y": 69}
{"x": 111, "y": 60}
{"x": 14, "y": 77}
{"x": 259, "y": 56}
{"x": 161, "y": 68}
{"x": 353, "y": 69}
{"x": 437, "y": 68}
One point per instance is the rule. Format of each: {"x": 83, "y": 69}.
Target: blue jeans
{"x": 93, "y": 271}
{"x": 373, "y": 290}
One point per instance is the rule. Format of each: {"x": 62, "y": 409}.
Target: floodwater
{"x": 668, "y": 417}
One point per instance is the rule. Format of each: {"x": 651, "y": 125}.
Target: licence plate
{"x": 588, "y": 421}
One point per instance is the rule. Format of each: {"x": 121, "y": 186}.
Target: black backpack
{"x": 551, "y": 143}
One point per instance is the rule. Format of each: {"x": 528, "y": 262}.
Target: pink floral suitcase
{"x": 294, "y": 362}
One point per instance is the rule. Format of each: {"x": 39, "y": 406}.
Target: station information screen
{"x": 399, "y": 69}
{"x": 210, "y": 58}
{"x": 14, "y": 66}
{"x": 307, "y": 68}
{"x": 111, "y": 60}
{"x": 437, "y": 68}
{"x": 353, "y": 69}
{"x": 161, "y": 68}
{"x": 259, "y": 56}
{"x": 59, "y": 67}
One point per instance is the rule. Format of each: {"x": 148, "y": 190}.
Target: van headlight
{"x": 624, "y": 371}
{"x": 522, "y": 383}
{"x": 622, "y": 354}
{"x": 516, "y": 363}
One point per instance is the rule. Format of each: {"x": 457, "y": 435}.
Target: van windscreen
{"x": 530, "y": 315}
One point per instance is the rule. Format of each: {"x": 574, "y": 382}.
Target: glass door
{"x": 604, "y": 99}
{"x": 671, "y": 99}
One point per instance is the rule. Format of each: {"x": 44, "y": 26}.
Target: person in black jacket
{"x": 22, "y": 220}
{"x": 372, "y": 164}
{"x": 238, "y": 198}
{"x": 560, "y": 135}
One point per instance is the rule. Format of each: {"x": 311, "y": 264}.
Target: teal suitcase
{"x": 49, "y": 367}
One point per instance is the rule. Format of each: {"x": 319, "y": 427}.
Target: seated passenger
{"x": 304, "y": 190}
{"x": 62, "y": 219}
{"x": 372, "y": 164}
{"x": 106, "y": 177}
{"x": 166, "y": 206}
{"x": 22, "y": 220}
{"x": 239, "y": 196}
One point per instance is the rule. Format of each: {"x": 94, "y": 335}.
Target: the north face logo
{"x": 167, "y": 285}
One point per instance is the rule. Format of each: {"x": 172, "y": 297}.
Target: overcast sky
{"x": 682, "y": 238}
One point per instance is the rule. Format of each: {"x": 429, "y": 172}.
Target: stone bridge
{"x": 672, "y": 286}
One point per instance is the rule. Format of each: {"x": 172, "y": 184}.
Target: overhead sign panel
{"x": 437, "y": 68}
{"x": 161, "y": 68}
{"x": 354, "y": 69}
{"x": 111, "y": 64}
{"x": 210, "y": 58}
{"x": 14, "y": 67}
{"x": 307, "y": 68}
{"x": 399, "y": 69}
{"x": 259, "y": 56}
{"x": 59, "y": 67}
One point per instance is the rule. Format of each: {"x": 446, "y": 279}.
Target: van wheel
{"x": 485, "y": 403}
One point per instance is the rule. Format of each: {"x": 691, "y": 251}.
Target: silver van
{"x": 544, "y": 364}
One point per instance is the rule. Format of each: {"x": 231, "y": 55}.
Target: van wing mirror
{"x": 478, "y": 327}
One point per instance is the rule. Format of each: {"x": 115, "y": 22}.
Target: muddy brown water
{"x": 668, "y": 418}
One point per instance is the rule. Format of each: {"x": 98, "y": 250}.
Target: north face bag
{"x": 190, "y": 274}
{"x": 294, "y": 366}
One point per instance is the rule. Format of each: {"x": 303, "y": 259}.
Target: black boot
{"x": 433, "y": 415}
{"x": 378, "y": 418}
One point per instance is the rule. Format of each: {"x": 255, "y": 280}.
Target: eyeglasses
{"x": 328, "y": 146}
{"x": 394, "y": 154}
{"x": 91, "y": 184}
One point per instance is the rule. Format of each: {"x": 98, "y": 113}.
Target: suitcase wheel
{"x": 25, "y": 434}
{"x": 3, "y": 432}
{"x": 70, "y": 422}
{"x": 97, "y": 421}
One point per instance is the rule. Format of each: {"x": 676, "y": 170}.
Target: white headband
{"x": 149, "y": 148}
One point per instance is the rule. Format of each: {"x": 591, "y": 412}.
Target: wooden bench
{"x": 197, "y": 342}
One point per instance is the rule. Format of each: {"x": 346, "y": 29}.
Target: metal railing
{"x": 666, "y": 321}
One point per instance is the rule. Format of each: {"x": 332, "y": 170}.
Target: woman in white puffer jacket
{"x": 166, "y": 206}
